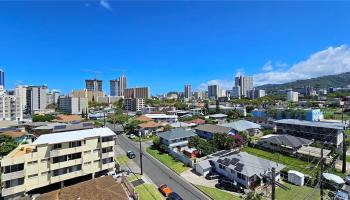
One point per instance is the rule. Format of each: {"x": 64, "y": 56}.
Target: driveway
{"x": 198, "y": 180}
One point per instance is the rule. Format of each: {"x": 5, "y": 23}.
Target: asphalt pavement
{"x": 160, "y": 174}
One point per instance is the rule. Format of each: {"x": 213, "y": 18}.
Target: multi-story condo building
{"x": 188, "y": 91}
{"x": 73, "y": 105}
{"x": 214, "y": 91}
{"x": 292, "y": 96}
{"x": 245, "y": 83}
{"x": 91, "y": 95}
{"x": 2, "y": 79}
{"x": 331, "y": 132}
{"x": 52, "y": 97}
{"x": 10, "y": 107}
{"x": 93, "y": 85}
{"x": 256, "y": 93}
{"x": 21, "y": 94}
{"x": 118, "y": 86}
{"x": 36, "y": 98}
{"x": 56, "y": 158}
{"x": 137, "y": 92}
{"x": 135, "y": 104}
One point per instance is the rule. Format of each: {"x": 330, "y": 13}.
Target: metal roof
{"x": 55, "y": 138}
{"x": 331, "y": 125}
{"x": 176, "y": 133}
{"x": 286, "y": 140}
{"x": 242, "y": 125}
{"x": 211, "y": 128}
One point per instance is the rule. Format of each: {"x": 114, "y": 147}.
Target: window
{"x": 107, "y": 160}
{"x": 74, "y": 156}
{"x": 59, "y": 159}
{"x": 75, "y": 144}
{"x": 87, "y": 163}
{"x": 87, "y": 152}
{"x": 13, "y": 168}
{"x": 57, "y": 146}
{"x": 14, "y": 182}
{"x": 32, "y": 162}
{"x": 33, "y": 176}
{"x": 107, "y": 149}
{"x": 107, "y": 139}
{"x": 240, "y": 176}
{"x": 59, "y": 172}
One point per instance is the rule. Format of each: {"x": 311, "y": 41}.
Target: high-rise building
{"x": 118, "y": 86}
{"x": 256, "y": 93}
{"x": 214, "y": 91}
{"x": 55, "y": 158}
{"x": 52, "y": 97}
{"x": 2, "y": 79}
{"x": 137, "y": 93}
{"x": 21, "y": 93}
{"x": 292, "y": 96}
{"x": 236, "y": 92}
{"x": 73, "y": 105}
{"x": 245, "y": 83}
{"x": 10, "y": 107}
{"x": 188, "y": 91}
{"x": 36, "y": 98}
{"x": 135, "y": 104}
{"x": 93, "y": 85}
{"x": 91, "y": 95}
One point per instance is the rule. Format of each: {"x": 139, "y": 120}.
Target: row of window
{"x": 65, "y": 158}
{"x": 66, "y": 170}
{"x": 78, "y": 143}
{"x": 13, "y": 168}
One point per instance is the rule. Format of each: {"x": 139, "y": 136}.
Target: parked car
{"x": 132, "y": 136}
{"x": 347, "y": 179}
{"x": 227, "y": 184}
{"x": 212, "y": 176}
{"x": 165, "y": 190}
{"x": 130, "y": 154}
{"x": 115, "y": 175}
{"x": 174, "y": 196}
{"x": 341, "y": 195}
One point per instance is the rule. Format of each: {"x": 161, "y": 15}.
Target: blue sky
{"x": 165, "y": 45}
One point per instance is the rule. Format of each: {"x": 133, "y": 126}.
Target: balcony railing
{"x": 13, "y": 175}
{"x": 65, "y": 151}
{"x": 13, "y": 190}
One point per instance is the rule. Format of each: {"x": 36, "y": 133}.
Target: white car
{"x": 115, "y": 175}
{"x": 132, "y": 136}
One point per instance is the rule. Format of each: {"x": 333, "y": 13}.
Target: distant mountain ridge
{"x": 336, "y": 81}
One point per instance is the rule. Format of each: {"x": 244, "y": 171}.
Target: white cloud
{"x": 105, "y": 4}
{"x": 268, "y": 66}
{"x": 333, "y": 60}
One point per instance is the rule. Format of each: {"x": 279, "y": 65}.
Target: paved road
{"x": 161, "y": 174}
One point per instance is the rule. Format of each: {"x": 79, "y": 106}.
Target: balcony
{"x": 65, "y": 151}
{"x": 108, "y": 155}
{"x": 12, "y": 190}
{"x": 108, "y": 165}
{"x": 63, "y": 177}
{"x": 13, "y": 175}
{"x": 91, "y": 156}
{"x": 66, "y": 164}
{"x": 107, "y": 144}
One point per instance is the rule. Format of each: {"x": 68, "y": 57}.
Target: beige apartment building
{"x": 91, "y": 95}
{"x": 55, "y": 158}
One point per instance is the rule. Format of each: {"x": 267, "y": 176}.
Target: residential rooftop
{"x": 242, "y": 125}
{"x": 212, "y": 128}
{"x": 331, "y": 125}
{"x": 55, "y": 138}
{"x": 176, "y": 133}
{"x": 286, "y": 140}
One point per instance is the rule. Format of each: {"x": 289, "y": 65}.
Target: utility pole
{"x": 104, "y": 118}
{"x": 141, "y": 154}
{"x": 344, "y": 152}
{"x": 273, "y": 181}
{"x": 321, "y": 172}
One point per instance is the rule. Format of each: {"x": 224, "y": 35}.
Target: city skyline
{"x": 139, "y": 41}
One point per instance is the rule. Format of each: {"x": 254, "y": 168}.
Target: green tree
{"x": 7, "y": 144}
{"x": 131, "y": 125}
{"x": 156, "y": 142}
{"x": 234, "y": 114}
{"x": 253, "y": 196}
{"x": 219, "y": 140}
{"x": 167, "y": 127}
{"x": 194, "y": 141}
{"x": 43, "y": 118}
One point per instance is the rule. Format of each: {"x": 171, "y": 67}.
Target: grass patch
{"x": 297, "y": 192}
{"x": 143, "y": 139}
{"x": 217, "y": 194}
{"x": 122, "y": 160}
{"x": 167, "y": 160}
{"x": 133, "y": 178}
{"x": 148, "y": 192}
{"x": 347, "y": 158}
{"x": 289, "y": 162}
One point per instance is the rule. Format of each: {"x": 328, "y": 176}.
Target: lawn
{"x": 148, "y": 192}
{"x": 297, "y": 192}
{"x": 143, "y": 139}
{"x": 217, "y": 194}
{"x": 122, "y": 160}
{"x": 290, "y": 162}
{"x": 167, "y": 160}
{"x": 347, "y": 158}
{"x": 133, "y": 177}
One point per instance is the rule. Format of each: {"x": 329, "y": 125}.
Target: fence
{"x": 183, "y": 158}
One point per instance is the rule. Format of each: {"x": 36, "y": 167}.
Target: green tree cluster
{"x": 43, "y": 118}
{"x": 7, "y": 144}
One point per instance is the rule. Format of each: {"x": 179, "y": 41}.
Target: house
{"x": 190, "y": 152}
{"x": 182, "y": 125}
{"x": 176, "y": 139}
{"x": 143, "y": 118}
{"x": 244, "y": 126}
{"x": 149, "y": 128}
{"x": 283, "y": 143}
{"x": 331, "y": 132}
{"x": 61, "y": 127}
{"x": 196, "y": 111}
{"x": 196, "y": 121}
{"x": 67, "y": 118}
{"x": 207, "y": 131}
{"x": 162, "y": 118}
{"x": 245, "y": 169}
{"x": 219, "y": 118}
